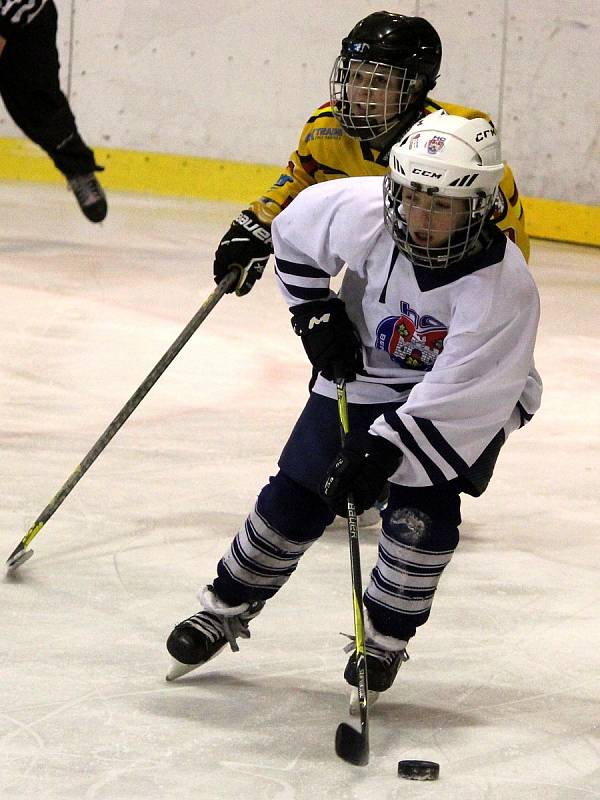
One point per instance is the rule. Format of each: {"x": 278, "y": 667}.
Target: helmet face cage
{"x": 432, "y": 229}
{"x": 367, "y": 97}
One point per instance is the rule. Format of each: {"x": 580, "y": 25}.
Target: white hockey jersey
{"x": 455, "y": 344}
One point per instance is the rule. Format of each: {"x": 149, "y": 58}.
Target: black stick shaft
{"x": 228, "y": 281}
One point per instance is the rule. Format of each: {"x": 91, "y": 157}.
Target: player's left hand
{"x": 361, "y": 468}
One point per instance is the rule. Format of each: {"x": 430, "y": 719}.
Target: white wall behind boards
{"x": 236, "y": 80}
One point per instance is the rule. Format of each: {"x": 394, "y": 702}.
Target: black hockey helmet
{"x": 409, "y": 42}
{"x": 388, "y": 63}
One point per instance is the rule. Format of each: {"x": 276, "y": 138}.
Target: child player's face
{"x": 432, "y": 219}
{"x": 373, "y": 91}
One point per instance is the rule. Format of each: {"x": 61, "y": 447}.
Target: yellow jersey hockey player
{"x": 379, "y": 88}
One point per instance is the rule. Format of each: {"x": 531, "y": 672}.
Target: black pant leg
{"x": 30, "y": 88}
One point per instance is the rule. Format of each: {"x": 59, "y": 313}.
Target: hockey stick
{"x": 21, "y": 554}
{"x": 350, "y": 744}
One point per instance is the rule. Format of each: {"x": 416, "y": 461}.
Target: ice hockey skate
{"x": 385, "y": 656}
{"x": 201, "y": 637}
{"x": 90, "y": 196}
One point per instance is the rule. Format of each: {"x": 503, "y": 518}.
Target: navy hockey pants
{"x": 29, "y": 85}
{"x": 418, "y": 537}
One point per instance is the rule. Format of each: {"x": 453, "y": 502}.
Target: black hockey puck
{"x": 419, "y": 770}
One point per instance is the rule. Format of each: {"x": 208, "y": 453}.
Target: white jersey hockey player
{"x": 434, "y": 331}
{"x": 449, "y": 329}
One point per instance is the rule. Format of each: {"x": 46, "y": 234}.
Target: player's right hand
{"x": 246, "y": 248}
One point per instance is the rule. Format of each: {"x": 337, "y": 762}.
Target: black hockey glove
{"x": 329, "y": 338}
{"x": 361, "y": 468}
{"x": 245, "y": 247}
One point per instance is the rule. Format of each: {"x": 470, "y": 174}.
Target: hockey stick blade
{"x": 352, "y": 745}
{"x": 18, "y": 556}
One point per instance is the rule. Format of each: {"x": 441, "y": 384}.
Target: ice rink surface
{"x": 502, "y": 685}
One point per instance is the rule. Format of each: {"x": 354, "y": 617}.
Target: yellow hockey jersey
{"x": 325, "y": 153}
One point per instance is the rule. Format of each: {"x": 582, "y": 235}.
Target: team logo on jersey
{"x": 323, "y": 133}
{"x": 412, "y": 341}
{"x": 435, "y": 144}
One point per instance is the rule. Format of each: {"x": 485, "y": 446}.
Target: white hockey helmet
{"x": 442, "y": 156}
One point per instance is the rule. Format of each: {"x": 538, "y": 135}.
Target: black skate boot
{"x": 385, "y": 656}
{"x": 202, "y": 636}
{"x": 89, "y": 195}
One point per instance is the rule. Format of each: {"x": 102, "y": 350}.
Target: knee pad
{"x": 415, "y": 528}
{"x": 426, "y": 517}
{"x": 296, "y": 512}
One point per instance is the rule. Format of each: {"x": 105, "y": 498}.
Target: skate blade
{"x": 177, "y": 669}
{"x": 355, "y": 705}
